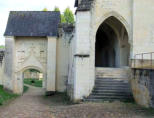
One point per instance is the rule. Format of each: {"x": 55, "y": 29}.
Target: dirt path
{"x": 30, "y": 105}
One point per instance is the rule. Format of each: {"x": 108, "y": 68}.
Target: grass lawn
{"x": 33, "y": 82}
{"x": 5, "y": 96}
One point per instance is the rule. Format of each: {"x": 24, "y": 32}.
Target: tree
{"x": 45, "y": 9}
{"x": 68, "y": 16}
{"x": 62, "y": 16}
{"x": 63, "y": 19}
{"x": 56, "y": 9}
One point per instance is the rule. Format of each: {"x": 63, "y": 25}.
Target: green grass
{"x": 33, "y": 82}
{"x": 5, "y": 96}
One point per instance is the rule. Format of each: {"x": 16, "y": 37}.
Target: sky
{"x": 28, "y": 5}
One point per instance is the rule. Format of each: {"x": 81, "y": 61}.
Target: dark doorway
{"x": 111, "y": 48}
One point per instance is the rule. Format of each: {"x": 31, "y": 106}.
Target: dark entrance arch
{"x": 111, "y": 47}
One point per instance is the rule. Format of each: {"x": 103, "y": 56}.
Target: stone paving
{"x": 34, "y": 105}
{"x": 30, "y": 105}
{"x": 99, "y": 110}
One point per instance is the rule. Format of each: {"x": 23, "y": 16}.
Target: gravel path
{"x": 30, "y": 105}
{"x": 34, "y": 105}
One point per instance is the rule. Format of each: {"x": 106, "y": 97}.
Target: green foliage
{"x": 5, "y": 96}
{"x": 45, "y": 9}
{"x": 33, "y": 82}
{"x": 68, "y": 15}
{"x": 2, "y": 46}
{"x": 63, "y": 19}
{"x": 56, "y": 9}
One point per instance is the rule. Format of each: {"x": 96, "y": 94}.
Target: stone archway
{"x": 19, "y": 84}
{"x": 34, "y": 73}
{"x": 112, "y": 47}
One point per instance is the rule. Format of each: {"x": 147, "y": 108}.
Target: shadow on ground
{"x": 62, "y": 108}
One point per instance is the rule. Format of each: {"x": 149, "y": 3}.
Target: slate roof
{"x": 32, "y": 23}
{"x": 85, "y": 5}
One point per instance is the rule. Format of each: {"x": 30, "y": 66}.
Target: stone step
{"x": 111, "y": 91}
{"x": 111, "y": 94}
{"x": 111, "y": 84}
{"x": 113, "y": 73}
{"x": 111, "y": 79}
{"x": 110, "y": 87}
{"x": 107, "y": 89}
{"x": 118, "y": 92}
{"x": 109, "y": 97}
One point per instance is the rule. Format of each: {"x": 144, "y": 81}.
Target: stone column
{"x": 51, "y": 65}
{"x": 82, "y": 81}
{"x": 44, "y": 81}
{"x": 9, "y": 65}
{"x": 18, "y": 85}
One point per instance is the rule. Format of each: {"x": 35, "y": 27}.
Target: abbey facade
{"x": 103, "y": 43}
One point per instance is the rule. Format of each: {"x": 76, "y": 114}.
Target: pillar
{"x": 51, "y": 65}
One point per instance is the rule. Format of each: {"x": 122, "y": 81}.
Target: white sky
{"x": 28, "y": 5}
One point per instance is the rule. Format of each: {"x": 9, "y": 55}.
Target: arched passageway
{"x": 112, "y": 47}
{"x": 33, "y": 77}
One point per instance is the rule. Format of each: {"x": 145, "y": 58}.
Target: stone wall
{"x": 64, "y": 61}
{"x": 143, "y": 25}
{"x": 70, "y": 82}
{"x": 9, "y": 62}
{"x": 83, "y": 82}
{"x": 142, "y": 84}
{"x": 23, "y": 53}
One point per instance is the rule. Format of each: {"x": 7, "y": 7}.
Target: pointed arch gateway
{"x": 112, "y": 47}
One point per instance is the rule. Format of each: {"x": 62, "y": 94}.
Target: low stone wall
{"x": 142, "y": 84}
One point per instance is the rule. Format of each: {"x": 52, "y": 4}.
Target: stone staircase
{"x": 111, "y": 84}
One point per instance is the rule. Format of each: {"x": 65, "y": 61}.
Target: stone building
{"x": 93, "y": 60}
{"x": 33, "y": 41}
{"x": 115, "y": 34}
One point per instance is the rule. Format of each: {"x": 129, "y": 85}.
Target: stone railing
{"x": 143, "y": 60}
